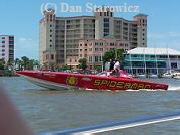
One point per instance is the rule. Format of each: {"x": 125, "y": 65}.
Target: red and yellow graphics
{"x": 121, "y": 84}
{"x": 71, "y": 80}
{"x": 91, "y": 81}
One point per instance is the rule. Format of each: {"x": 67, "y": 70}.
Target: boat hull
{"x": 54, "y": 80}
{"x": 47, "y": 84}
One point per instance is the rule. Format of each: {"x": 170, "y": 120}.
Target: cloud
{"x": 161, "y": 35}
{"x": 26, "y": 47}
{"x": 164, "y": 39}
{"x": 21, "y": 39}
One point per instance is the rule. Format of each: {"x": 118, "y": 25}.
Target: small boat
{"x": 153, "y": 76}
{"x": 176, "y": 76}
{"x": 102, "y": 81}
{"x": 167, "y": 75}
{"x": 141, "y": 76}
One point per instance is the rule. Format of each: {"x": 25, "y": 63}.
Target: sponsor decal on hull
{"x": 71, "y": 80}
{"x": 121, "y": 85}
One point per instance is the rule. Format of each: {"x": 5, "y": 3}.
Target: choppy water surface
{"x": 54, "y": 110}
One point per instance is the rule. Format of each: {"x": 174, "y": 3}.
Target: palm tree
{"x": 9, "y": 65}
{"x": 2, "y": 64}
{"x": 25, "y": 61}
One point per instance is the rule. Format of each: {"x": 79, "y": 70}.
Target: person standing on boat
{"x": 111, "y": 68}
{"x": 116, "y": 66}
{"x": 107, "y": 66}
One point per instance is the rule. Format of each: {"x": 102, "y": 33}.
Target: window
{"x": 106, "y": 25}
{"x": 96, "y": 58}
{"x": 100, "y": 13}
{"x": 111, "y": 44}
{"x": 85, "y": 49}
{"x": 90, "y": 58}
{"x": 50, "y": 35}
{"x": 106, "y": 30}
{"x": 50, "y": 25}
{"x": 106, "y": 20}
{"x": 121, "y": 44}
{"x": 3, "y": 37}
{"x": 111, "y": 14}
{"x": 50, "y": 30}
{"x": 3, "y": 41}
{"x": 80, "y": 50}
{"x": 3, "y": 50}
{"x": 11, "y": 42}
{"x": 52, "y": 56}
{"x": 3, "y": 54}
{"x": 50, "y": 40}
{"x": 107, "y": 13}
{"x": 85, "y": 44}
{"x": 104, "y": 13}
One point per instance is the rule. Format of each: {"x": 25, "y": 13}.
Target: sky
{"x": 21, "y": 19}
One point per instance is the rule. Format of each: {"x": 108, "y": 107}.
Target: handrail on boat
{"x": 122, "y": 124}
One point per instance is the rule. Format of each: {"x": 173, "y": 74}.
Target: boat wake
{"x": 174, "y": 88}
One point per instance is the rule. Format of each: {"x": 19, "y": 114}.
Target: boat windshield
{"x": 117, "y": 75}
{"x": 112, "y": 74}
{"x": 102, "y": 74}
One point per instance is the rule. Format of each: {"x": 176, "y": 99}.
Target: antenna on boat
{"x": 130, "y": 62}
{"x": 156, "y": 59}
{"x": 144, "y": 61}
{"x": 169, "y": 61}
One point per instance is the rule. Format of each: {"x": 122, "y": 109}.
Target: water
{"x": 54, "y": 110}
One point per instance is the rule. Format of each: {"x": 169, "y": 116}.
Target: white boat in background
{"x": 153, "y": 76}
{"x": 167, "y": 75}
{"x": 176, "y": 75}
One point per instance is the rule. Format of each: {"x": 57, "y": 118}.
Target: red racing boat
{"x": 103, "y": 81}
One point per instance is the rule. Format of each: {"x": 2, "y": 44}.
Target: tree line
{"x": 24, "y": 63}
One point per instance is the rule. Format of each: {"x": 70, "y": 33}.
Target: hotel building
{"x": 63, "y": 40}
{"x": 151, "y": 60}
{"x": 7, "y": 47}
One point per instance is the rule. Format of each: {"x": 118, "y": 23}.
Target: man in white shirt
{"x": 117, "y": 66}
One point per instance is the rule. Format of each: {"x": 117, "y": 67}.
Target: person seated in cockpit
{"x": 114, "y": 74}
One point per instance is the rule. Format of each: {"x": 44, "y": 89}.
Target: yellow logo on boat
{"x": 71, "y": 80}
{"x": 125, "y": 85}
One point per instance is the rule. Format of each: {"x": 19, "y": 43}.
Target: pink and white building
{"x": 7, "y": 47}
{"x": 93, "y": 50}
